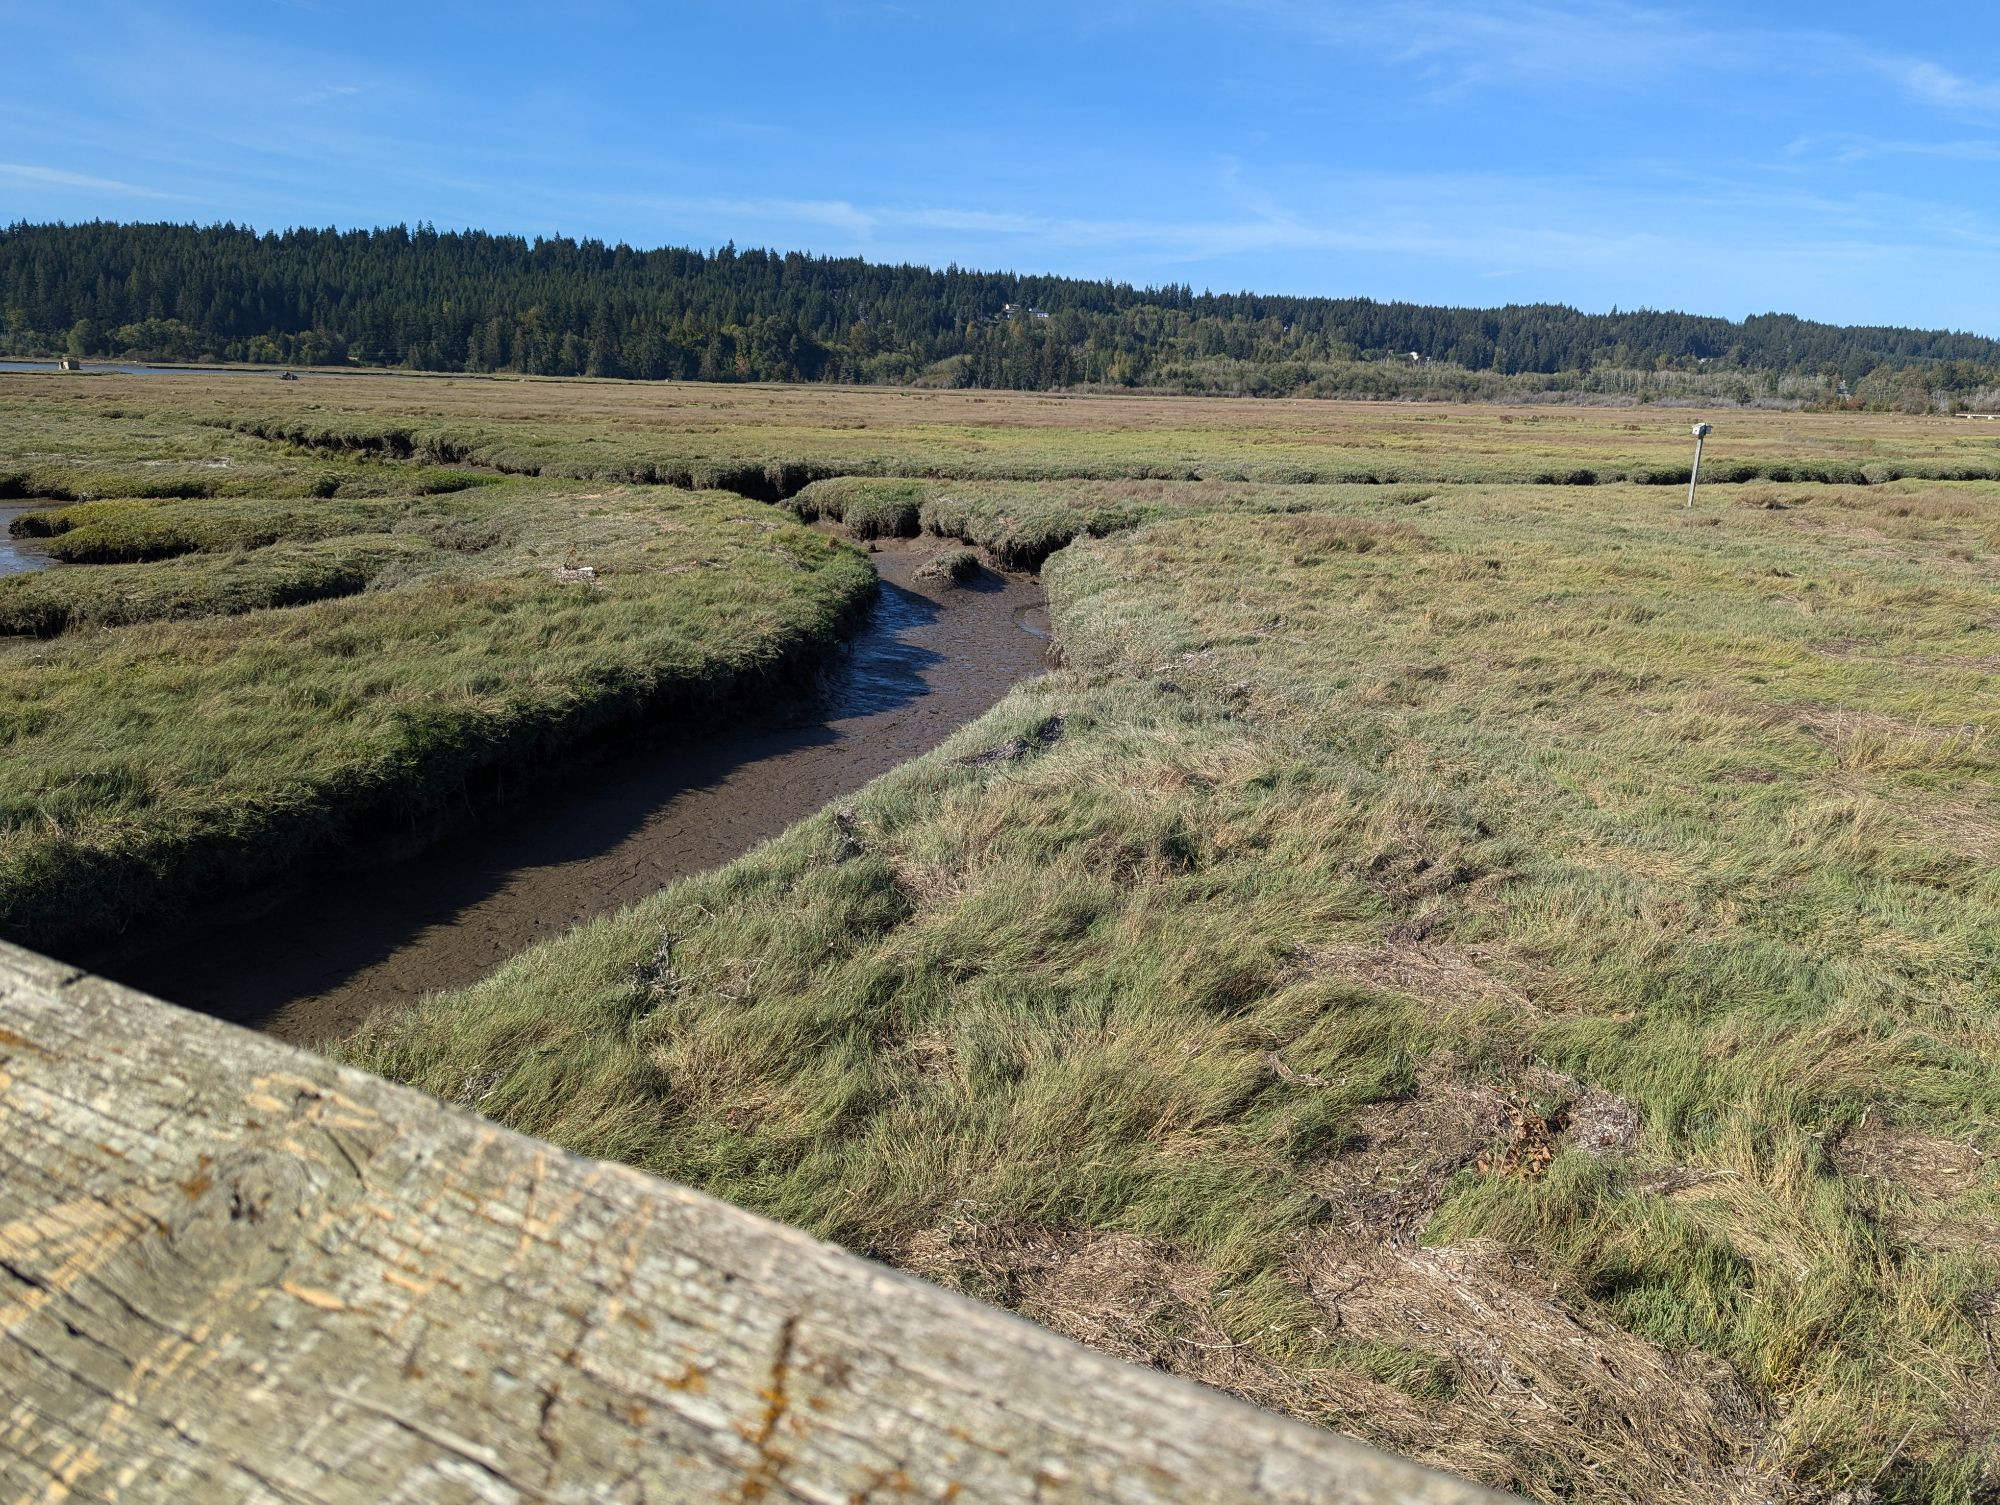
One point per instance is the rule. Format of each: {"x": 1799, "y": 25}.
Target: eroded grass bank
{"x": 324, "y": 656}
{"x": 1510, "y": 974}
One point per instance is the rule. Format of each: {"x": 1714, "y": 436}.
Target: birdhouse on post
{"x": 1701, "y": 432}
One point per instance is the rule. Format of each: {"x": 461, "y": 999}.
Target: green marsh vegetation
{"x": 1505, "y": 969}
{"x": 1021, "y": 523}
{"x": 206, "y": 585}
{"x": 327, "y": 656}
{"x": 1510, "y": 974}
{"x": 952, "y": 566}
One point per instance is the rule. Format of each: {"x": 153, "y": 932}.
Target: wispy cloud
{"x": 978, "y": 221}
{"x": 1932, "y": 84}
{"x": 329, "y": 92}
{"x": 1588, "y": 44}
{"x": 1845, "y": 148}
{"x": 62, "y": 178}
{"x": 834, "y": 214}
{"x": 1461, "y": 45}
{"x": 1418, "y": 215}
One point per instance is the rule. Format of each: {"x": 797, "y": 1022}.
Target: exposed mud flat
{"x": 932, "y": 657}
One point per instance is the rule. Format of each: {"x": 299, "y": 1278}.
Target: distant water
{"x": 19, "y": 555}
{"x": 9, "y": 363}
{"x": 269, "y": 373}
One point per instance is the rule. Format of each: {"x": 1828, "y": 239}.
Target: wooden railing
{"x": 230, "y": 1270}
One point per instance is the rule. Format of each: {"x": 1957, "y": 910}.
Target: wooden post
{"x": 230, "y": 1270}
{"x": 1701, "y": 432}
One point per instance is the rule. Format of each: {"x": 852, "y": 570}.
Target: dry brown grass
{"x": 1493, "y": 1371}
{"x": 1449, "y": 977}
{"x": 1575, "y": 1398}
{"x": 852, "y": 427}
{"x": 1910, "y": 1160}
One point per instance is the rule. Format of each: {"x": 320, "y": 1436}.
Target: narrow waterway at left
{"x": 931, "y": 657}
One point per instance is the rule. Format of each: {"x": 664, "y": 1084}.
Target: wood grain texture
{"x": 230, "y": 1270}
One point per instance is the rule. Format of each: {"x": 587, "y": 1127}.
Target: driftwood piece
{"x": 230, "y": 1270}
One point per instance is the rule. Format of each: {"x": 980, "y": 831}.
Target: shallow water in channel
{"x": 929, "y": 659}
{"x": 20, "y": 555}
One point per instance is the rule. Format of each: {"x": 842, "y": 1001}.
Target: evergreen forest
{"x": 448, "y": 301}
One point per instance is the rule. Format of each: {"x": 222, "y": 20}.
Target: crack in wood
{"x": 469, "y": 1452}
{"x": 769, "y": 1465}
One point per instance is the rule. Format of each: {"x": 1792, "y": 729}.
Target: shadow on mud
{"x": 611, "y": 830}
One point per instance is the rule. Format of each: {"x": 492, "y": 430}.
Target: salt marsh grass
{"x": 1445, "y": 968}
{"x": 1502, "y": 965}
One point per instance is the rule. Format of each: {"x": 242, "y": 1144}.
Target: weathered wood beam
{"x": 230, "y": 1270}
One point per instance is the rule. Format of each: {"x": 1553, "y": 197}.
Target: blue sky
{"x": 1836, "y": 160}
